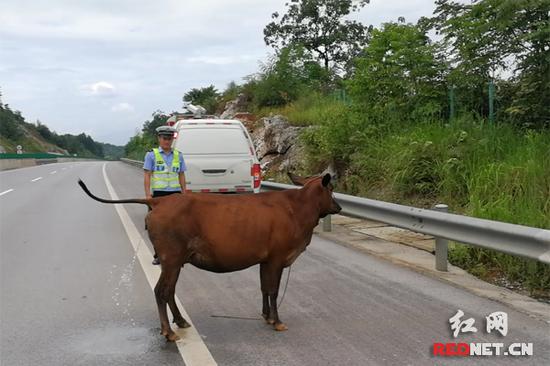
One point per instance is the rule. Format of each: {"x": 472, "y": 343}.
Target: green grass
{"x": 29, "y": 145}
{"x": 496, "y": 172}
{"x": 8, "y": 145}
{"x": 308, "y": 110}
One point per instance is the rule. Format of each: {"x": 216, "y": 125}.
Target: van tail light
{"x": 256, "y": 173}
{"x": 175, "y": 135}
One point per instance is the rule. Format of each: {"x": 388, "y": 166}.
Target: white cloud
{"x": 136, "y": 21}
{"x": 100, "y": 89}
{"x": 122, "y": 107}
{"x": 93, "y": 56}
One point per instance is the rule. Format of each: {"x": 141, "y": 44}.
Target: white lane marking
{"x": 35, "y": 179}
{"x": 55, "y": 171}
{"x": 192, "y": 348}
{"x": 8, "y": 191}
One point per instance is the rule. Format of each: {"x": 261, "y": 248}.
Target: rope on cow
{"x": 284, "y": 291}
{"x": 253, "y": 318}
{"x": 234, "y": 317}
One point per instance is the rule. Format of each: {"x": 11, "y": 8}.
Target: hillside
{"x": 14, "y": 131}
{"x": 30, "y": 140}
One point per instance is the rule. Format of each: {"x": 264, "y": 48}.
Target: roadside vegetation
{"x": 38, "y": 138}
{"x": 145, "y": 140}
{"x": 463, "y": 119}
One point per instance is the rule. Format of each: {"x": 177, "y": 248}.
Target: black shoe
{"x": 156, "y": 261}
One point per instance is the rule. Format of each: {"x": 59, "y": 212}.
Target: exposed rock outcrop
{"x": 235, "y": 106}
{"x": 277, "y": 144}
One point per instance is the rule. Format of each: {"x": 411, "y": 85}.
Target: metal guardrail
{"x": 513, "y": 239}
{"x": 133, "y": 162}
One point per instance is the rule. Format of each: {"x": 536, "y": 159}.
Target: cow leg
{"x": 164, "y": 290}
{"x": 178, "y": 318}
{"x": 265, "y": 305}
{"x": 272, "y": 277}
{"x": 265, "y": 290}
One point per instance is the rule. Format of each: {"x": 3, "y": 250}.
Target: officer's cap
{"x": 166, "y": 131}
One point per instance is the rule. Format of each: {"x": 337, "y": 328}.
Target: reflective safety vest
{"x": 164, "y": 177}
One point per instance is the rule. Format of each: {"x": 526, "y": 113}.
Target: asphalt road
{"x": 72, "y": 293}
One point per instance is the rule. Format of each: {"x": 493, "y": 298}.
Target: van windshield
{"x": 192, "y": 141}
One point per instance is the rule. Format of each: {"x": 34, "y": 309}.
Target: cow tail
{"x": 147, "y": 202}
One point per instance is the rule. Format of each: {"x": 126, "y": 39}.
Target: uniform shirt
{"x": 149, "y": 163}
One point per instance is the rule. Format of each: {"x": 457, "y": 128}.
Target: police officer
{"x": 164, "y": 169}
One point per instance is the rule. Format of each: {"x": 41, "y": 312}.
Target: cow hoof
{"x": 182, "y": 323}
{"x": 172, "y": 337}
{"x": 280, "y": 327}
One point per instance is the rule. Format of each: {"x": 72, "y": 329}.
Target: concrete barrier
{"x": 7, "y": 164}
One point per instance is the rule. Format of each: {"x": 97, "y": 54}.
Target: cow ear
{"x": 326, "y": 180}
{"x": 299, "y": 181}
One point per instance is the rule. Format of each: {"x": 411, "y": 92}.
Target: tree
{"x": 206, "y": 97}
{"x": 488, "y": 39}
{"x": 87, "y": 144}
{"x": 285, "y": 76}
{"x": 150, "y": 127}
{"x": 399, "y": 74}
{"x": 137, "y": 146}
{"x": 321, "y": 28}
{"x": 10, "y": 123}
{"x": 527, "y": 27}
{"x": 231, "y": 91}
{"x": 44, "y": 131}
{"x": 473, "y": 47}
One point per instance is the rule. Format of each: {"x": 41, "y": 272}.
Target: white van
{"x": 219, "y": 156}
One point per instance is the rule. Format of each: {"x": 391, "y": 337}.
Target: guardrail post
{"x": 327, "y": 223}
{"x": 441, "y": 245}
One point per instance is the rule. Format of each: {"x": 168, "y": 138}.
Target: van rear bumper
{"x": 222, "y": 190}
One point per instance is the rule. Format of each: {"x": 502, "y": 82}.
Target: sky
{"x": 102, "y": 67}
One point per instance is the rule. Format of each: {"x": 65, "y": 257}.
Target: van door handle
{"x": 214, "y": 171}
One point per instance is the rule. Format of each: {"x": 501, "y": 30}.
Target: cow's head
{"x": 322, "y": 189}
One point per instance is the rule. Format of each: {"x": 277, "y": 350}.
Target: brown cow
{"x": 221, "y": 233}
